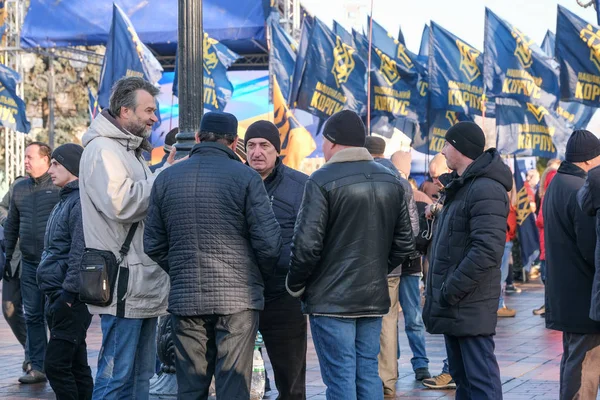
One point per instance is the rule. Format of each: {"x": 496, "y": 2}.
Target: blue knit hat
{"x": 219, "y": 123}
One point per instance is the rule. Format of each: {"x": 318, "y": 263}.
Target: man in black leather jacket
{"x": 32, "y": 201}
{"x": 66, "y": 362}
{"x": 463, "y": 286}
{"x": 211, "y": 228}
{"x": 352, "y": 230}
{"x": 281, "y": 323}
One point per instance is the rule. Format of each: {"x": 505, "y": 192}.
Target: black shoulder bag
{"x": 98, "y": 273}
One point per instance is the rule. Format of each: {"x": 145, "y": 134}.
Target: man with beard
{"x": 115, "y": 185}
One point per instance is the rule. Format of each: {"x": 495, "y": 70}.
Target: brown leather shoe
{"x": 389, "y": 393}
{"x": 506, "y": 312}
{"x": 33, "y": 376}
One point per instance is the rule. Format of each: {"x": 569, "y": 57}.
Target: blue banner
{"x": 578, "y": 53}
{"x": 515, "y": 67}
{"x": 12, "y": 107}
{"x": 92, "y": 104}
{"x": 430, "y": 138}
{"x": 346, "y": 37}
{"x": 455, "y": 74}
{"x": 282, "y": 58}
{"x": 334, "y": 77}
{"x": 529, "y": 130}
{"x": 549, "y": 43}
{"x": 305, "y": 35}
{"x": 526, "y": 229}
{"x": 217, "y": 87}
{"x": 424, "y": 48}
{"x": 125, "y": 55}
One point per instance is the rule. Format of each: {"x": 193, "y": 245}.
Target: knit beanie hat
{"x": 468, "y": 138}
{"x": 375, "y": 145}
{"x": 263, "y": 130}
{"x": 345, "y": 128}
{"x": 68, "y": 155}
{"x": 582, "y": 146}
{"x": 220, "y": 123}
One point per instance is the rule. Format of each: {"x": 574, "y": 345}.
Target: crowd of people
{"x": 228, "y": 248}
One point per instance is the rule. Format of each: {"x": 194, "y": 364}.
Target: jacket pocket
{"x": 147, "y": 282}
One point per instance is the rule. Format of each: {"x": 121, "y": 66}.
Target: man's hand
{"x": 432, "y": 210}
{"x": 171, "y": 159}
{"x": 8, "y": 274}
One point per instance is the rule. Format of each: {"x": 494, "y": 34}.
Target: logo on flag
{"x": 452, "y": 117}
{"x": 209, "y": 55}
{"x": 522, "y": 49}
{"x": 388, "y": 68}
{"x": 404, "y": 57}
{"x": 468, "y": 61}
{"x": 343, "y": 64}
{"x": 591, "y": 37}
{"x": 537, "y": 111}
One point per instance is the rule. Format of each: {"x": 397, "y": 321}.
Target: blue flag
{"x": 515, "y": 67}
{"x": 92, "y": 104}
{"x": 125, "y": 55}
{"x": 526, "y": 229}
{"x": 455, "y": 74}
{"x": 12, "y": 107}
{"x": 424, "y": 48}
{"x": 361, "y": 43}
{"x": 217, "y": 88}
{"x": 578, "y": 53}
{"x": 334, "y": 76}
{"x": 340, "y": 31}
{"x": 283, "y": 56}
{"x": 529, "y": 130}
{"x": 549, "y": 43}
{"x": 305, "y": 35}
{"x": 430, "y": 137}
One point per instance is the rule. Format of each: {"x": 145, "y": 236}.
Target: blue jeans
{"x": 504, "y": 268}
{"x": 347, "y": 349}
{"x": 126, "y": 359}
{"x": 446, "y": 367}
{"x": 410, "y": 301}
{"x": 34, "y": 303}
{"x": 543, "y": 270}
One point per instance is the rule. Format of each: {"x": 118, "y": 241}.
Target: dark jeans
{"x": 580, "y": 366}
{"x": 283, "y": 327}
{"x": 34, "y": 301}
{"x": 473, "y": 367}
{"x": 12, "y": 308}
{"x": 219, "y": 345}
{"x": 66, "y": 361}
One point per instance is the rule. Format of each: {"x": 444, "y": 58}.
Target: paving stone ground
{"x": 528, "y": 354}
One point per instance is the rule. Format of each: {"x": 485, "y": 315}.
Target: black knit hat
{"x": 170, "y": 140}
{"x": 468, "y": 138}
{"x": 375, "y": 145}
{"x": 582, "y": 146}
{"x": 263, "y": 130}
{"x": 219, "y": 123}
{"x": 345, "y": 128}
{"x": 68, "y": 155}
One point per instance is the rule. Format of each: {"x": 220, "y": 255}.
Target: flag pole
{"x": 369, "y": 73}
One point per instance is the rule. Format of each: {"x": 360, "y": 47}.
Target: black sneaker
{"x": 33, "y": 376}
{"x": 422, "y": 373}
{"x": 512, "y": 289}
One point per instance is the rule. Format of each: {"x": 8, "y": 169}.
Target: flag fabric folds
{"x": 526, "y": 229}
{"x": 12, "y": 107}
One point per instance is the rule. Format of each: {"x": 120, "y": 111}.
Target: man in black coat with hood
{"x": 464, "y": 275}
{"x": 281, "y": 323}
{"x": 570, "y": 236}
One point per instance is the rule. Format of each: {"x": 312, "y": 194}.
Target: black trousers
{"x": 219, "y": 345}
{"x": 66, "y": 363}
{"x": 283, "y": 327}
{"x": 473, "y": 367}
{"x": 12, "y": 308}
{"x": 580, "y": 366}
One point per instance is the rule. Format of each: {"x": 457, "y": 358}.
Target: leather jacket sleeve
{"x": 403, "y": 244}
{"x": 309, "y": 235}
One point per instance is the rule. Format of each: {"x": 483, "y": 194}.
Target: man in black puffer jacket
{"x": 30, "y": 205}
{"x": 66, "y": 362}
{"x": 353, "y": 229}
{"x": 570, "y": 238}
{"x": 282, "y": 324}
{"x": 211, "y": 227}
{"x": 464, "y": 274}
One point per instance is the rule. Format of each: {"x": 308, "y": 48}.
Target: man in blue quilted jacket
{"x": 211, "y": 227}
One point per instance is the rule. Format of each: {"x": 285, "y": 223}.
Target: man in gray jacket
{"x": 115, "y": 185}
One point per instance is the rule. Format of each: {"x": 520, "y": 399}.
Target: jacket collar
{"x": 42, "y": 179}
{"x": 276, "y": 174}
{"x": 571, "y": 169}
{"x": 106, "y": 125}
{"x": 351, "y": 154}
{"x": 68, "y": 188}
{"x": 213, "y": 149}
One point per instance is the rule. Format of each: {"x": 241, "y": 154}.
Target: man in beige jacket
{"x": 115, "y": 185}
